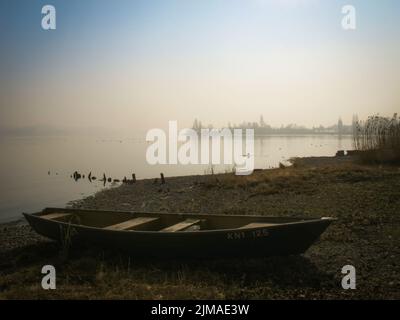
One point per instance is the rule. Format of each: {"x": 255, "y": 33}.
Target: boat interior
{"x": 164, "y": 222}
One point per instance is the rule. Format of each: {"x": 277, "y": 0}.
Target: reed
{"x": 378, "y": 138}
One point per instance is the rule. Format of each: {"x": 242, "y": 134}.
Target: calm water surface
{"x": 25, "y": 163}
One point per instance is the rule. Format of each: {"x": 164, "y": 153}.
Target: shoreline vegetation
{"x": 365, "y": 198}
{"x": 378, "y": 139}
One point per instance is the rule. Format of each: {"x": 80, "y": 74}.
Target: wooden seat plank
{"x": 54, "y": 216}
{"x": 180, "y": 226}
{"x": 257, "y": 225}
{"x": 131, "y": 224}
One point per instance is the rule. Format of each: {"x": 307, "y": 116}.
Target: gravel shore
{"x": 365, "y": 199}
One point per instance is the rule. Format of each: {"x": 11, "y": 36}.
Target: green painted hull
{"x": 275, "y": 236}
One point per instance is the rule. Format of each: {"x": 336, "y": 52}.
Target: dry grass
{"x": 294, "y": 178}
{"x": 379, "y": 139}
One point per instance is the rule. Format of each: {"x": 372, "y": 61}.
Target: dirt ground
{"x": 365, "y": 199}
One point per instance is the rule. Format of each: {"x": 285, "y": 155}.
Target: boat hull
{"x": 281, "y": 239}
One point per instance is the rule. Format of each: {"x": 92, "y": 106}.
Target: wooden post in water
{"x": 162, "y": 178}
{"x": 133, "y": 178}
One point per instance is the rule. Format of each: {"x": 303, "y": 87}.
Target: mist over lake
{"x": 36, "y": 172}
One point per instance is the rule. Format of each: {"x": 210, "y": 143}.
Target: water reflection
{"x": 50, "y": 171}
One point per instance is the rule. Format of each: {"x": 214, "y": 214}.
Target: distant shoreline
{"x": 305, "y": 161}
{"x": 302, "y": 134}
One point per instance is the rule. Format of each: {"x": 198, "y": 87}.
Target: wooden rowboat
{"x": 180, "y": 234}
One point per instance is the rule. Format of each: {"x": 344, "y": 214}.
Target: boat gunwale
{"x": 198, "y": 232}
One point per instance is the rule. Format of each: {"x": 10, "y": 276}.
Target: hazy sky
{"x": 137, "y": 64}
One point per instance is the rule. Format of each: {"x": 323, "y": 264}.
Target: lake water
{"x": 36, "y": 172}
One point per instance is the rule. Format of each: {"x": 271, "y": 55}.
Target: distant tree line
{"x": 261, "y": 128}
